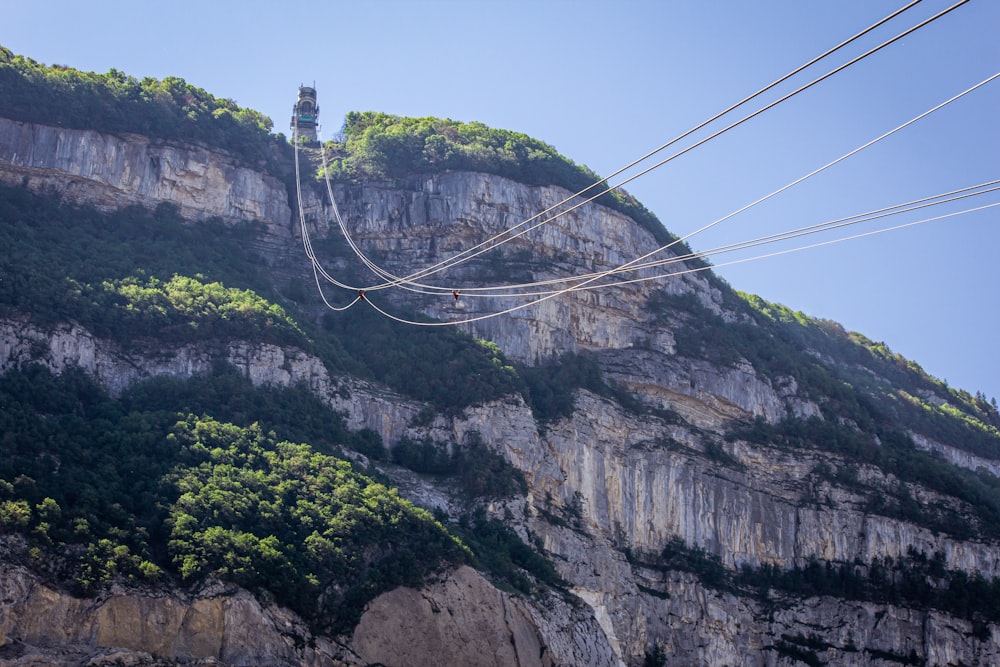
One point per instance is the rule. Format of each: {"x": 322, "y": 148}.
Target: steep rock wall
{"x": 110, "y": 172}
{"x": 460, "y": 620}
{"x": 648, "y": 482}
{"x": 227, "y": 624}
{"x": 69, "y": 345}
{"x": 444, "y": 214}
{"x": 640, "y": 607}
{"x": 463, "y": 620}
{"x": 955, "y": 456}
{"x": 605, "y": 483}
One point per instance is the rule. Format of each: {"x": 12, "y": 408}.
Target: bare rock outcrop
{"x": 448, "y": 213}
{"x": 110, "y": 172}
{"x": 68, "y": 345}
{"x": 461, "y": 620}
{"x": 464, "y": 620}
{"x": 227, "y": 625}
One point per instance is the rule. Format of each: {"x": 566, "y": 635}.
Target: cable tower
{"x": 305, "y": 114}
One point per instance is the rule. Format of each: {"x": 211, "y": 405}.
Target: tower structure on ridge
{"x": 305, "y": 114}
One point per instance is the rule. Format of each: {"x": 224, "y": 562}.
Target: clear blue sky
{"x": 605, "y": 82}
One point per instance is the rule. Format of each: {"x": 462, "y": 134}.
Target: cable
{"x": 812, "y": 173}
{"x": 796, "y": 235}
{"x": 817, "y": 245}
{"x": 907, "y": 207}
{"x": 632, "y": 263}
{"x": 456, "y": 259}
{"x": 385, "y": 275}
{"x": 676, "y": 274}
{"x": 306, "y": 241}
{"x": 465, "y": 255}
{"x": 774, "y": 238}
{"x": 733, "y": 125}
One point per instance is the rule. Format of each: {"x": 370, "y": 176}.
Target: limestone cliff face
{"x": 115, "y": 171}
{"x": 754, "y": 509}
{"x": 461, "y": 619}
{"x": 448, "y": 213}
{"x": 628, "y": 485}
{"x": 227, "y": 624}
{"x": 633, "y": 491}
{"x": 71, "y": 346}
{"x": 604, "y": 483}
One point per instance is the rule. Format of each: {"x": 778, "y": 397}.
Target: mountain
{"x": 202, "y": 463}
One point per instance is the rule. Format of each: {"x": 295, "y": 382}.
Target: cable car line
{"x": 676, "y": 274}
{"x": 379, "y": 271}
{"x": 830, "y": 242}
{"x": 907, "y": 207}
{"x": 753, "y": 115}
{"x": 774, "y": 238}
{"x": 588, "y": 281}
{"x": 306, "y": 241}
{"x": 814, "y": 229}
{"x": 636, "y": 263}
{"x": 319, "y": 288}
{"x": 796, "y": 181}
{"x": 497, "y": 240}
{"x": 449, "y": 262}
{"x": 826, "y": 166}
{"x": 641, "y": 258}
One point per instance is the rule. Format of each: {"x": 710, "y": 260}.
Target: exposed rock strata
{"x": 460, "y": 620}
{"x": 448, "y": 213}
{"x": 229, "y": 625}
{"x": 111, "y": 172}
{"x": 956, "y": 456}
{"x": 465, "y": 621}
{"x": 71, "y": 346}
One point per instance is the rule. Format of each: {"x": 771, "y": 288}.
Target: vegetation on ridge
{"x": 388, "y": 146}
{"x": 116, "y": 102}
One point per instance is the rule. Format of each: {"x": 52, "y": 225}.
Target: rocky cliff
{"x": 111, "y": 172}
{"x": 609, "y": 488}
{"x": 461, "y": 619}
{"x": 436, "y": 216}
